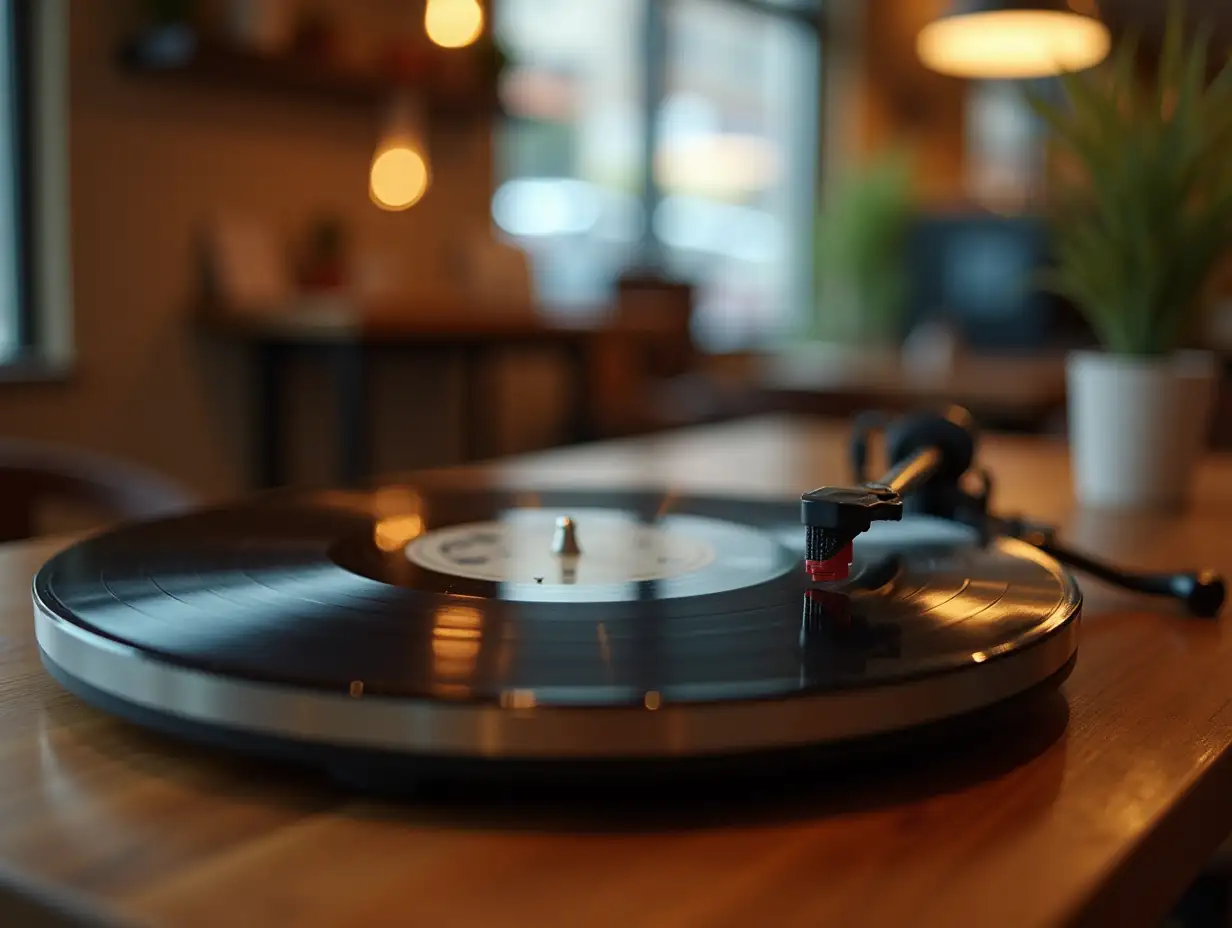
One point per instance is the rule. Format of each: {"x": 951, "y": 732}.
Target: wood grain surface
{"x": 1098, "y": 807}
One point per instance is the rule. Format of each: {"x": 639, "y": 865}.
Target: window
{"x": 683, "y": 131}
{"x": 14, "y": 213}
{"x": 570, "y": 155}
{"x": 34, "y": 269}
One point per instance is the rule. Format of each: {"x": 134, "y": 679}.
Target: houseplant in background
{"x": 861, "y": 266}
{"x": 1139, "y": 224}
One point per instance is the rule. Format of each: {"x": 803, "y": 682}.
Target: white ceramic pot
{"x": 1138, "y": 426}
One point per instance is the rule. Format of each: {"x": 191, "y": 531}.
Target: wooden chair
{"x": 35, "y": 476}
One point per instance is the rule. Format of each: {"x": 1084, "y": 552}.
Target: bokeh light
{"x": 398, "y": 179}
{"x": 453, "y": 23}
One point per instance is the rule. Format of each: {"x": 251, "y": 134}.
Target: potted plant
{"x": 862, "y": 273}
{"x": 1139, "y": 227}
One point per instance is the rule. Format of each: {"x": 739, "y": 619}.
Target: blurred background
{"x": 258, "y": 242}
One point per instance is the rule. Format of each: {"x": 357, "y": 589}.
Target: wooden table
{"x": 1098, "y": 812}
{"x": 1009, "y": 391}
{"x": 471, "y": 337}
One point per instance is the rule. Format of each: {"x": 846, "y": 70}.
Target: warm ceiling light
{"x": 453, "y": 23}
{"x": 1013, "y": 40}
{"x": 400, "y": 174}
{"x": 398, "y": 178}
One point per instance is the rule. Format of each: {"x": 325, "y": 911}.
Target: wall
{"x": 879, "y": 95}
{"x": 905, "y": 103}
{"x": 148, "y": 162}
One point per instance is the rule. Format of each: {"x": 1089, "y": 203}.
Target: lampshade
{"x": 1013, "y": 39}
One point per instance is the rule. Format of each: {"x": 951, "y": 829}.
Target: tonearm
{"x": 931, "y": 457}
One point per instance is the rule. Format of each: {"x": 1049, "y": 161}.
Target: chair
{"x": 34, "y": 476}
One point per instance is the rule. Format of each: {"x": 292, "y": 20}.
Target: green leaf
{"x": 1172, "y": 63}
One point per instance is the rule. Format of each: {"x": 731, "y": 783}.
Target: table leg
{"x": 476, "y": 403}
{"x": 268, "y": 462}
{"x": 351, "y": 408}
{"x": 578, "y": 418}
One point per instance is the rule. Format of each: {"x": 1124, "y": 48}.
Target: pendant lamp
{"x": 400, "y": 173}
{"x": 1013, "y": 39}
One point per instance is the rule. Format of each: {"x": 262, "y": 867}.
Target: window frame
{"x": 39, "y": 71}
{"x": 656, "y": 58}
{"x": 21, "y": 72}
{"x": 649, "y": 66}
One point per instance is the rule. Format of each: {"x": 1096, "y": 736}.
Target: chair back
{"x": 34, "y": 476}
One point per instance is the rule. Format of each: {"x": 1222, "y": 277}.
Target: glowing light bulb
{"x": 398, "y": 178}
{"x": 453, "y": 23}
{"x": 1013, "y": 44}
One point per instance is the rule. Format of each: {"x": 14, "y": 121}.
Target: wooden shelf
{"x": 214, "y": 64}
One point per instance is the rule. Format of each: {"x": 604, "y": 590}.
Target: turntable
{"x": 425, "y": 628}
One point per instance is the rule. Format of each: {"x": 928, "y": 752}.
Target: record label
{"x": 524, "y": 547}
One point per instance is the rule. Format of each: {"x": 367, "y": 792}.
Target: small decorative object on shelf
{"x": 167, "y": 36}
{"x": 407, "y": 58}
{"x": 1138, "y": 233}
{"x": 243, "y": 266}
{"x": 317, "y": 37}
{"x": 324, "y": 267}
{"x": 264, "y": 26}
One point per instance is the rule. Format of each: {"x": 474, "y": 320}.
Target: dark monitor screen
{"x": 981, "y": 273}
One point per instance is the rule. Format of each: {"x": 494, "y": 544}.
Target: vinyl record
{"x": 438, "y": 622}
